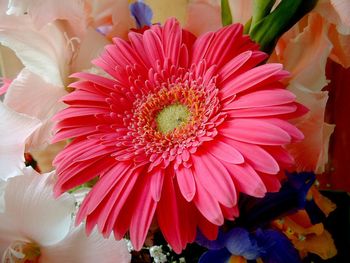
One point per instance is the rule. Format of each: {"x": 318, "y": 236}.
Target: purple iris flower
{"x": 270, "y": 245}
{"x": 257, "y": 212}
{"x": 142, "y": 13}
{"x": 249, "y": 237}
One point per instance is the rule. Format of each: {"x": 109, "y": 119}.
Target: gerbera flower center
{"x": 171, "y": 117}
{"x": 20, "y": 252}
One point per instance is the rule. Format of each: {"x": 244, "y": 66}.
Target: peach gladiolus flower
{"x": 205, "y": 15}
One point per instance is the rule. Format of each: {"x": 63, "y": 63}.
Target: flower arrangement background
{"x": 174, "y": 131}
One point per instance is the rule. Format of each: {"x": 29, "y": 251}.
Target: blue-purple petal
{"x": 256, "y": 212}
{"x": 217, "y": 256}
{"x": 278, "y": 249}
{"x": 142, "y": 13}
{"x": 216, "y": 244}
{"x": 239, "y": 242}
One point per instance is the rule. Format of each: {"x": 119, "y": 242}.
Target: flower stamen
{"x": 20, "y": 252}
{"x": 171, "y": 117}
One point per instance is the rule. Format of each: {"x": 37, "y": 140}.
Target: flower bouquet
{"x": 173, "y": 131}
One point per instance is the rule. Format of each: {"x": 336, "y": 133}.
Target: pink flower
{"x": 179, "y": 130}
{"x": 5, "y": 85}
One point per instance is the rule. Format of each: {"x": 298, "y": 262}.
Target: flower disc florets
{"x": 183, "y": 126}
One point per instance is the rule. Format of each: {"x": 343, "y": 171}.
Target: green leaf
{"x": 269, "y": 29}
{"x": 226, "y": 16}
{"x": 261, "y": 8}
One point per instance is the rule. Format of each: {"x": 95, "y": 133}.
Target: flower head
{"x": 182, "y": 126}
{"x": 238, "y": 245}
{"x": 36, "y": 227}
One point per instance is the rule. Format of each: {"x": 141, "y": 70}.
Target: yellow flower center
{"x": 172, "y": 117}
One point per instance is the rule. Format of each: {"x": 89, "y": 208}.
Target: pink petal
{"x": 143, "y": 213}
{"x": 153, "y": 47}
{"x": 294, "y": 132}
{"x": 186, "y": 182}
{"x": 225, "y": 152}
{"x": 215, "y": 178}
{"x": 168, "y": 215}
{"x": 242, "y": 62}
{"x": 282, "y": 110}
{"x": 115, "y": 214}
{"x": 157, "y": 184}
{"x": 246, "y": 179}
{"x": 271, "y": 182}
{"x": 114, "y": 179}
{"x": 262, "y": 98}
{"x": 256, "y": 156}
{"x": 207, "y": 205}
{"x": 254, "y": 131}
{"x": 172, "y": 40}
{"x": 259, "y": 76}
{"x": 230, "y": 213}
{"x": 5, "y": 84}
{"x": 208, "y": 229}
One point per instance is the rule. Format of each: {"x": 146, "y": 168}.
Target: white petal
{"x": 25, "y": 95}
{"x": 30, "y": 204}
{"x": 91, "y": 46}
{"x": 2, "y": 195}
{"x": 8, "y": 233}
{"x": 78, "y": 248}
{"x": 44, "y": 12}
{"x": 14, "y": 130}
{"x": 335, "y": 12}
{"x": 16, "y": 7}
{"x": 44, "y": 52}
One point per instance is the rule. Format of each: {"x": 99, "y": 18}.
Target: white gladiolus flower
{"x": 38, "y": 228}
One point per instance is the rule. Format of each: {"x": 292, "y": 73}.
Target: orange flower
{"x": 305, "y": 236}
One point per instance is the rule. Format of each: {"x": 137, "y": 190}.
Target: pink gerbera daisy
{"x": 179, "y": 130}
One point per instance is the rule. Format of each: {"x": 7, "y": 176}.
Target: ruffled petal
{"x": 44, "y": 52}
{"x": 311, "y": 153}
{"x": 44, "y": 12}
{"x": 30, "y": 204}
{"x": 305, "y": 56}
{"x": 78, "y": 247}
{"x": 25, "y": 96}
{"x": 203, "y": 16}
{"x": 15, "y": 128}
